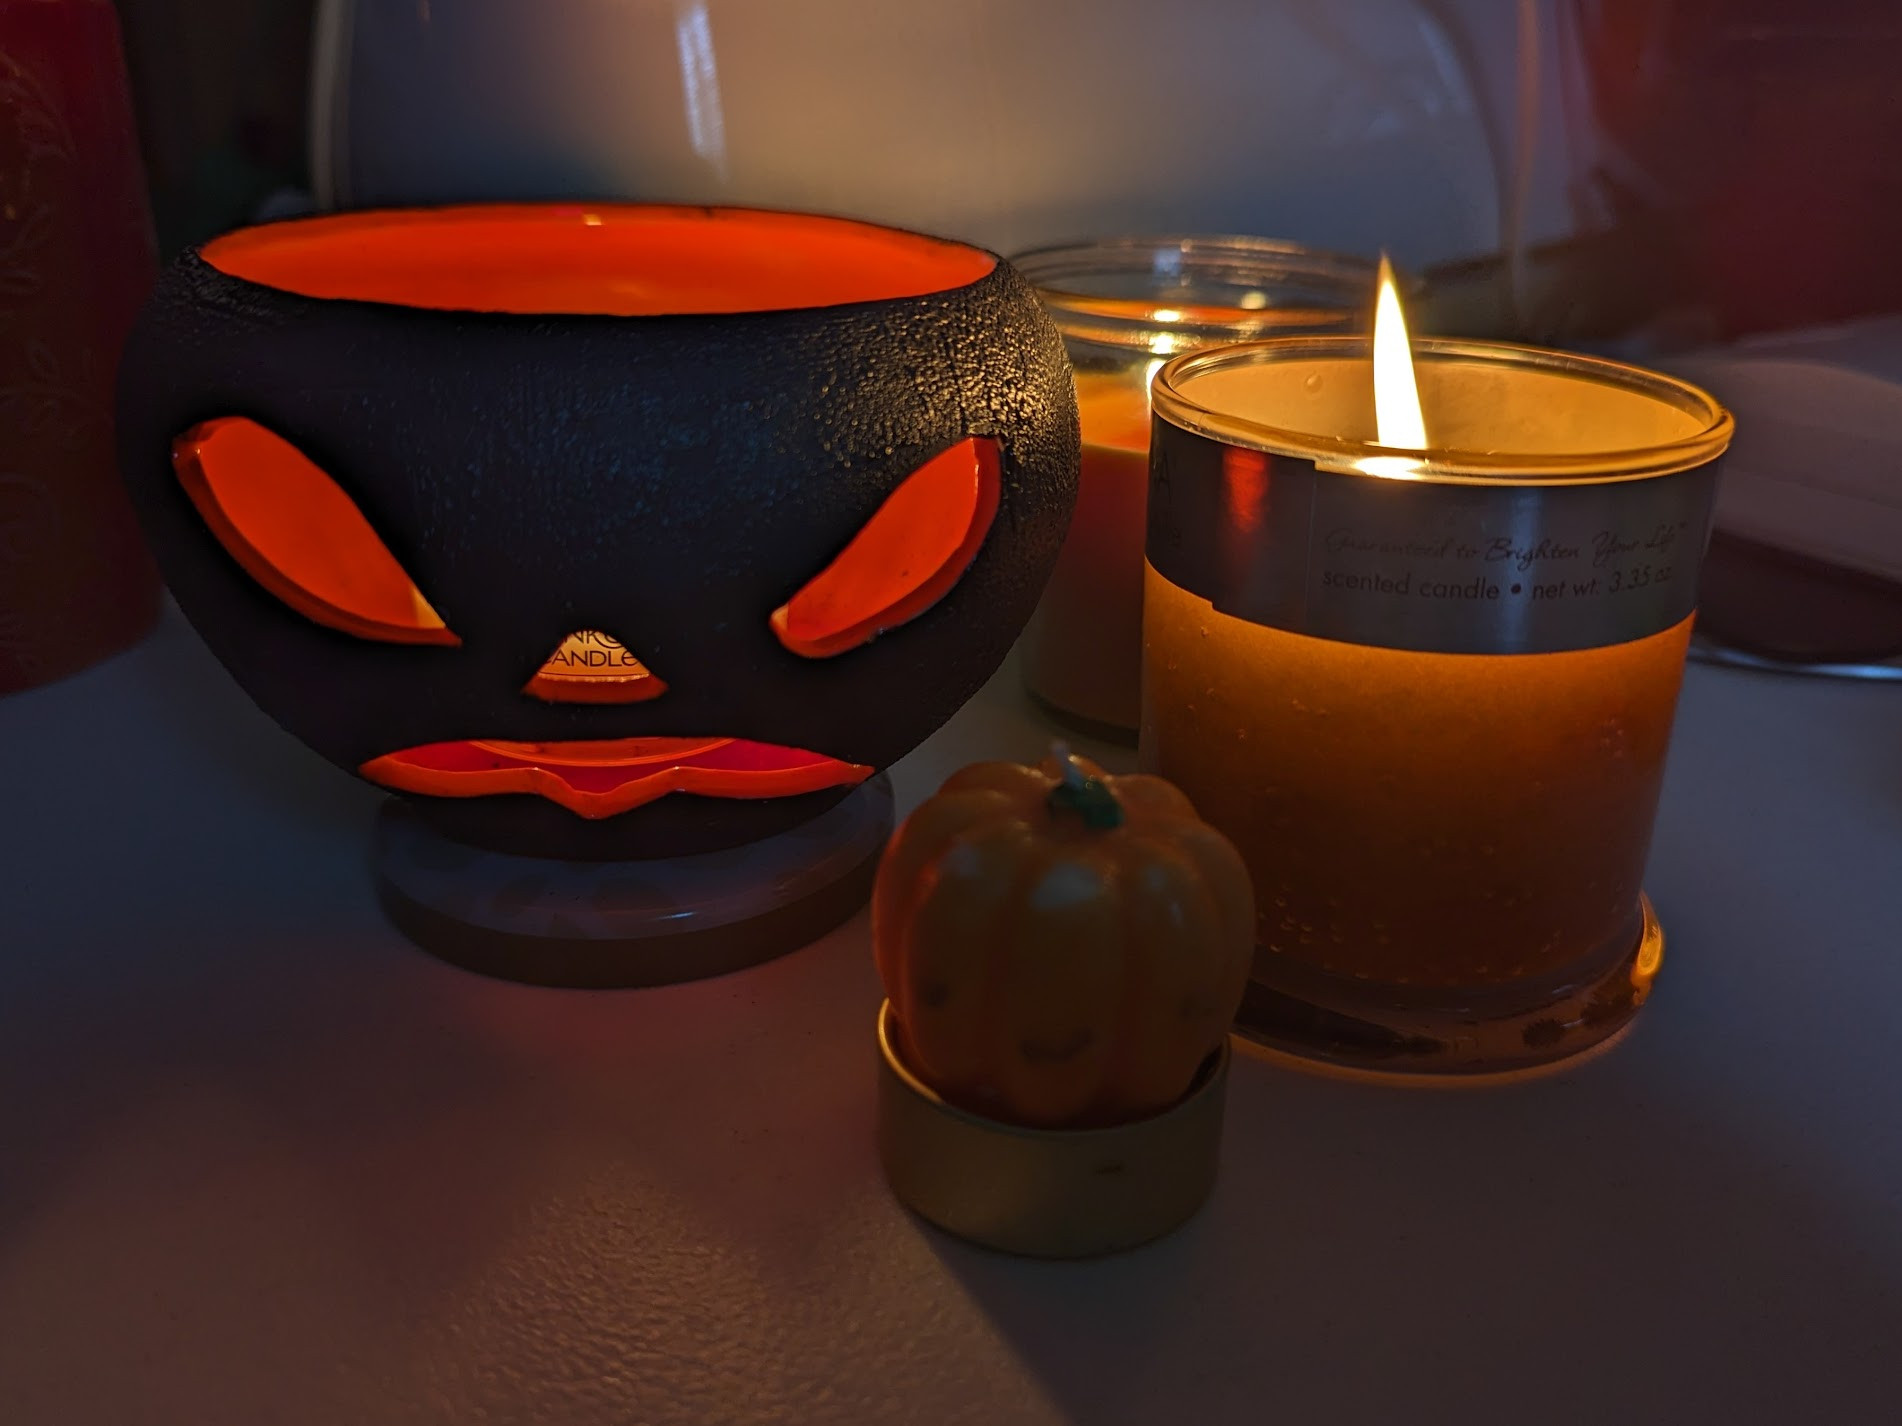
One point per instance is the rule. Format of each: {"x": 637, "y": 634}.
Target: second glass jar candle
{"x": 1124, "y": 307}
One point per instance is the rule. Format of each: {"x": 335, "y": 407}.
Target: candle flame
{"x": 1397, "y": 416}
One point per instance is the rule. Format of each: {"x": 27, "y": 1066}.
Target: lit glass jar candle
{"x": 1125, "y": 306}
{"x": 1428, "y": 694}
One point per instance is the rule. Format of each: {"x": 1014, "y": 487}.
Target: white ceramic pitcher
{"x": 1345, "y": 124}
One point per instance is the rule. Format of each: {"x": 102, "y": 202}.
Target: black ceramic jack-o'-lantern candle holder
{"x": 625, "y": 544}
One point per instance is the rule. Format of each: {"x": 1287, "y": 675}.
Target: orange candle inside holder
{"x": 1428, "y": 692}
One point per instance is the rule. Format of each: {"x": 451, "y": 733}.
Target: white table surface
{"x": 262, "y": 1162}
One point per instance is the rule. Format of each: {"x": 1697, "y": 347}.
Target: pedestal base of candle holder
{"x": 598, "y": 925}
{"x": 1452, "y": 1035}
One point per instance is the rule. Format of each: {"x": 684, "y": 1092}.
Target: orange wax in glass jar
{"x": 1428, "y": 695}
{"x": 1125, "y": 306}
{"x": 1371, "y": 788}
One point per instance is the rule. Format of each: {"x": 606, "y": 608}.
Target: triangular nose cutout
{"x": 591, "y": 667}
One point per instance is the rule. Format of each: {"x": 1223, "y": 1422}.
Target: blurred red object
{"x": 1752, "y": 143}
{"x": 76, "y": 260}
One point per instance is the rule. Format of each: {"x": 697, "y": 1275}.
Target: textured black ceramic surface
{"x": 668, "y": 480}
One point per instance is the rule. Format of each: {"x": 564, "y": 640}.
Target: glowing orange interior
{"x": 618, "y": 260}
{"x": 300, "y": 536}
{"x": 905, "y": 560}
{"x": 593, "y": 667}
{"x": 597, "y": 779}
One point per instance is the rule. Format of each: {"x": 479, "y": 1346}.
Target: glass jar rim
{"x": 1054, "y": 271}
{"x": 1446, "y": 465}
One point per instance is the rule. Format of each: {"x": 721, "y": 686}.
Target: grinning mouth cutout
{"x": 596, "y": 779}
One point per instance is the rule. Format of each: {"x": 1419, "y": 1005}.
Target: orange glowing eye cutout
{"x": 299, "y": 535}
{"x": 905, "y": 560}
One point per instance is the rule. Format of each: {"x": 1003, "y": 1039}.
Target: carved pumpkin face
{"x": 610, "y": 532}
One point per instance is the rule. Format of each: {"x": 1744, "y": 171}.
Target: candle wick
{"x": 1072, "y": 771}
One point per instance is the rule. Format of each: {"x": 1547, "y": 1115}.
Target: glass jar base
{"x": 1104, "y": 732}
{"x": 1390, "y": 1033}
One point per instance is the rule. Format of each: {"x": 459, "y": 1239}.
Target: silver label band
{"x": 1408, "y": 564}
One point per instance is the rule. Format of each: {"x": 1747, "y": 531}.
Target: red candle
{"x": 76, "y": 260}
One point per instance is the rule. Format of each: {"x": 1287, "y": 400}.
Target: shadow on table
{"x": 1579, "y": 1250}
{"x": 430, "y": 1107}
{"x": 274, "y": 1134}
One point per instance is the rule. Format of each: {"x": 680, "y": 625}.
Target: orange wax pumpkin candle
{"x": 1426, "y": 680}
{"x": 1061, "y": 947}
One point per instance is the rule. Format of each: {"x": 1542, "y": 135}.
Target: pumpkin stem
{"x": 1088, "y": 797}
